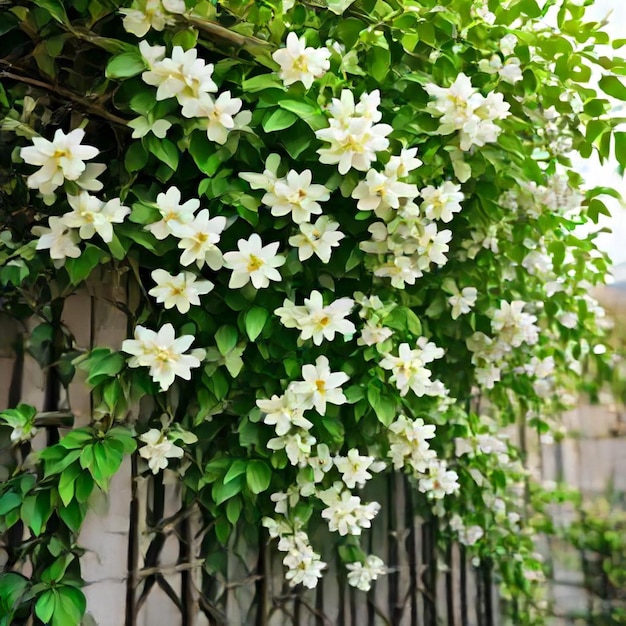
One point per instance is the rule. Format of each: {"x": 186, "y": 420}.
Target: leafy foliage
{"x": 498, "y": 277}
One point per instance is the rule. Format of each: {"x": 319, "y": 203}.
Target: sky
{"x": 614, "y": 243}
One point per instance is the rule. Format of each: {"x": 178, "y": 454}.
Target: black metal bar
{"x": 463, "y": 568}
{"x": 411, "y": 549}
{"x": 132, "y": 555}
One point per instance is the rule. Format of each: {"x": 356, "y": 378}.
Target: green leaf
{"x": 136, "y": 157}
{"x": 8, "y": 502}
{"x": 77, "y": 438}
{"x": 55, "y": 9}
{"x": 255, "y": 320}
{"x": 44, "y": 607}
{"x": 613, "y": 86}
{"x": 125, "y": 65}
{"x": 236, "y": 469}
{"x": 70, "y": 606}
{"x": 226, "y": 339}
{"x": 80, "y": 268}
{"x": 164, "y": 150}
{"x": 260, "y": 83}
{"x": 378, "y": 62}
{"x": 384, "y": 406}
{"x": 56, "y": 571}
{"x": 66, "y": 483}
{"x": 278, "y": 119}
{"x": 233, "y": 510}
{"x": 73, "y": 515}
{"x": 222, "y": 492}
{"x": 620, "y": 148}
{"x": 258, "y": 476}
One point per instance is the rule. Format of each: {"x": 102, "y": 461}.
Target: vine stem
{"x": 61, "y": 91}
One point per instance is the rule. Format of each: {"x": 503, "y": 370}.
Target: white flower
{"x": 304, "y": 567}
{"x": 379, "y": 190}
{"x": 91, "y": 215}
{"x": 320, "y": 386}
{"x": 199, "y": 240}
{"x": 433, "y": 245}
{"x": 163, "y": 353}
{"x": 319, "y": 239}
{"x": 296, "y": 195}
{"x": 372, "y": 334}
{"x": 219, "y": 113}
{"x": 87, "y": 180}
{"x": 175, "y": 216}
{"x": 344, "y": 511}
{"x": 401, "y": 165}
{"x": 462, "y": 301}
{"x": 61, "y": 159}
{"x": 470, "y": 535}
{"x": 59, "y": 239}
{"x": 408, "y": 443}
{"x": 507, "y": 44}
{"x": 511, "y": 72}
{"x": 440, "y": 203}
{"x": 361, "y": 575}
{"x": 268, "y": 178}
{"x": 158, "y": 450}
{"x": 181, "y": 290}
{"x": 354, "y": 145}
{"x": 254, "y": 262}
{"x": 353, "y": 468}
{"x": 283, "y": 412}
{"x": 146, "y": 14}
{"x": 321, "y": 463}
{"x": 184, "y": 75}
{"x": 462, "y": 108}
{"x": 513, "y": 326}
{"x": 408, "y": 370}
{"x": 143, "y": 125}
{"x": 316, "y": 321}
{"x": 301, "y": 63}
{"x": 297, "y": 445}
{"x": 440, "y": 481}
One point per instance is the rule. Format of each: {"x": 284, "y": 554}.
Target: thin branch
{"x": 168, "y": 569}
{"x": 62, "y": 92}
{"x": 221, "y": 32}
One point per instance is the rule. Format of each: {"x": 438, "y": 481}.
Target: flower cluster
{"x": 146, "y": 14}
{"x": 461, "y": 108}
{"x": 316, "y": 321}
{"x": 163, "y": 353}
{"x": 297, "y": 196}
{"x": 354, "y": 135}
{"x": 186, "y": 77}
{"x": 60, "y": 160}
{"x": 512, "y": 327}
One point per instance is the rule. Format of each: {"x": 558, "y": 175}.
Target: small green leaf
{"x": 125, "y": 65}
{"x": 255, "y": 320}
{"x": 222, "y": 492}
{"x": 278, "y": 119}
{"x": 226, "y": 339}
{"x": 8, "y": 502}
{"x": 233, "y": 510}
{"x": 44, "y": 608}
{"x": 164, "y": 150}
{"x": 236, "y": 469}
{"x": 80, "y": 268}
{"x": 258, "y": 476}
{"x": 384, "y": 406}
{"x": 613, "y": 86}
